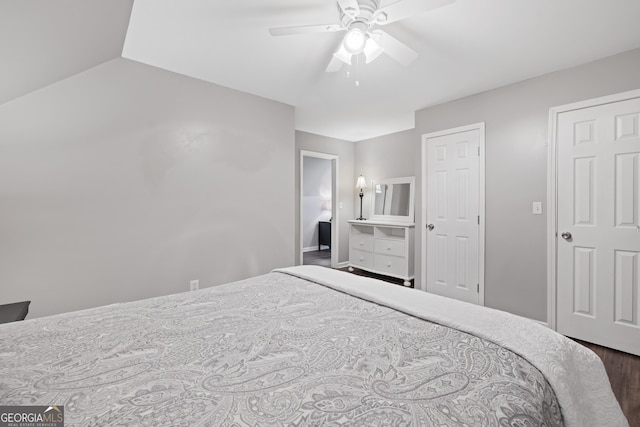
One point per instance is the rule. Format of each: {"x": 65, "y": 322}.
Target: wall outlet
{"x": 194, "y": 285}
{"x": 537, "y": 208}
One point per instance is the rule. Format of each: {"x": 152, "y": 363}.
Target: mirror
{"x": 392, "y": 199}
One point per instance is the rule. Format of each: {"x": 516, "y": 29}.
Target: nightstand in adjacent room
{"x": 324, "y": 234}
{"x": 14, "y": 312}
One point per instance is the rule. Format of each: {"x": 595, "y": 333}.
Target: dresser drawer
{"x": 392, "y": 265}
{"x": 360, "y": 258}
{"x": 390, "y": 247}
{"x": 362, "y": 243}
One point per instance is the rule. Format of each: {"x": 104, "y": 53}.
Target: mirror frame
{"x": 394, "y": 218}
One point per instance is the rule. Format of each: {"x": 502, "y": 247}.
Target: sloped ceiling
{"x": 44, "y": 41}
{"x": 467, "y": 47}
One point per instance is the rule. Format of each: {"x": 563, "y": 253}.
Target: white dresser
{"x": 383, "y": 248}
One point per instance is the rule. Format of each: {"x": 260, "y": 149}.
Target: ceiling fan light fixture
{"x": 355, "y": 40}
{"x": 343, "y": 55}
{"x": 351, "y": 11}
{"x": 382, "y": 18}
{"x": 372, "y": 50}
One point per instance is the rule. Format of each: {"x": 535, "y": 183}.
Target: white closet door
{"x": 452, "y": 201}
{"x": 598, "y": 208}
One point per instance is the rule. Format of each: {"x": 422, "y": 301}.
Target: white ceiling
{"x": 465, "y": 48}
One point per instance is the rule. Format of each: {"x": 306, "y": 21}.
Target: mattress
{"x": 304, "y": 346}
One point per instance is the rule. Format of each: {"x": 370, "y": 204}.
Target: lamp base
{"x": 361, "y": 196}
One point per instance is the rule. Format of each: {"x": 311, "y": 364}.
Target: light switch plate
{"x": 537, "y": 208}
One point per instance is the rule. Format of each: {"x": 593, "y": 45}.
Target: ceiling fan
{"x": 359, "y": 18}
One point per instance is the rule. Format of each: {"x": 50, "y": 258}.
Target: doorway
{"x": 594, "y": 221}
{"x": 453, "y": 213}
{"x": 318, "y": 213}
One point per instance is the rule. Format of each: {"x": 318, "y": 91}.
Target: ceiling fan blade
{"x": 350, "y": 7}
{"x": 305, "y": 29}
{"x": 395, "y": 48}
{"x": 406, "y": 8}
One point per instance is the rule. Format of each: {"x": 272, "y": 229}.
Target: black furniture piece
{"x": 14, "y": 312}
{"x": 324, "y": 233}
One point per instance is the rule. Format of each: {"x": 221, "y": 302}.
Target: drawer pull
{"x": 361, "y": 243}
{"x": 361, "y": 258}
{"x": 389, "y": 264}
{"x": 388, "y": 248}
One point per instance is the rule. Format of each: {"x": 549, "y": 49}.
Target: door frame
{"x": 552, "y": 190}
{"x": 335, "y": 244}
{"x": 480, "y": 127}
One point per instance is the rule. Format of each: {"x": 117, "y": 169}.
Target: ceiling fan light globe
{"x": 355, "y": 40}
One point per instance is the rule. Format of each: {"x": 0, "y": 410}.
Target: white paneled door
{"x": 598, "y": 224}
{"x": 453, "y": 214}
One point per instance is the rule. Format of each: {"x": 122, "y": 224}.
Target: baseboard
{"x": 315, "y": 248}
{"x": 343, "y": 264}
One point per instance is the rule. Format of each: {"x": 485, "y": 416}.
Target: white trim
{"x": 314, "y": 248}
{"x": 551, "y": 221}
{"x": 480, "y": 127}
{"x": 335, "y": 188}
{"x": 404, "y": 219}
{"x": 552, "y": 183}
{"x": 343, "y": 264}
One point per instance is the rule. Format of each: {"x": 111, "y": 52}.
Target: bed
{"x": 303, "y": 346}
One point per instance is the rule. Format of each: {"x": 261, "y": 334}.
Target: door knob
{"x": 430, "y": 227}
{"x": 566, "y": 235}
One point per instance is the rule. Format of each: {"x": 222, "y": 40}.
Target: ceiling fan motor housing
{"x": 366, "y": 15}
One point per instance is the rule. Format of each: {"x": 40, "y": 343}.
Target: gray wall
{"x": 126, "y": 181}
{"x": 346, "y": 182}
{"x": 516, "y": 118}
{"x": 388, "y": 156}
{"x": 316, "y": 198}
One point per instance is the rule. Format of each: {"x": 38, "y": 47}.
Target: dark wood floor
{"x": 377, "y": 276}
{"x": 322, "y": 258}
{"x": 623, "y": 368}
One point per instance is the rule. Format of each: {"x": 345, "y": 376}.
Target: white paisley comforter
{"x": 280, "y": 350}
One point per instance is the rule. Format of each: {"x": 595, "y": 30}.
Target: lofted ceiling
{"x": 44, "y": 41}
{"x": 464, "y": 48}
{"x": 467, "y": 47}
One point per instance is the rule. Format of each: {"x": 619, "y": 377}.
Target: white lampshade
{"x": 372, "y": 50}
{"x": 343, "y": 55}
{"x": 355, "y": 41}
{"x": 361, "y": 183}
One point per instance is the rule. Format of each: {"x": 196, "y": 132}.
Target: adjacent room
{"x": 330, "y": 212}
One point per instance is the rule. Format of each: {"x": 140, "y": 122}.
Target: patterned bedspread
{"x": 268, "y": 351}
